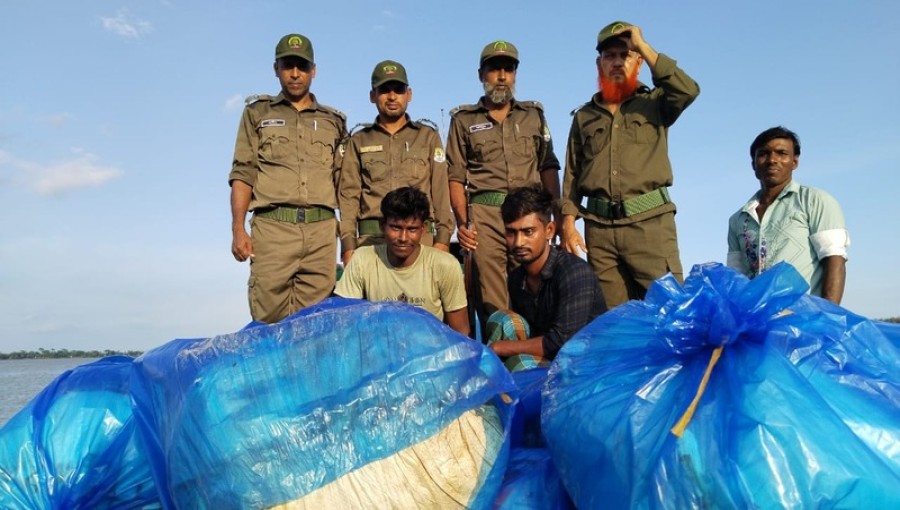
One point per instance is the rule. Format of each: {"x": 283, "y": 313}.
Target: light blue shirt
{"x": 802, "y": 226}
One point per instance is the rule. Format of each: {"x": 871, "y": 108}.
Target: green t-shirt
{"x": 433, "y": 282}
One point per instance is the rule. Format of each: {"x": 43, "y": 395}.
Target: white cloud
{"x": 234, "y": 102}
{"x": 126, "y": 25}
{"x": 79, "y": 171}
{"x": 58, "y": 119}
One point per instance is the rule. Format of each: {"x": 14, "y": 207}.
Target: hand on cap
{"x": 634, "y": 38}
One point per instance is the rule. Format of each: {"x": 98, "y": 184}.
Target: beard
{"x": 499, "y": 96}
{"x": 614, "y": 92}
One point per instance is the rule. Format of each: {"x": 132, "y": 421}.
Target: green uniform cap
{"x": 499, "y": 49}
{"x": 295, "y": 45}
{"x": 611, "y": 31}
{"x": 388, "y": 70}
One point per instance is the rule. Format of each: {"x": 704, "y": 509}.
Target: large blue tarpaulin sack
{"x": 284, "y": 414}
{"x": 75, "y": 446}
{"x": 800, "y": 410}
{"x": 531, "y": 480}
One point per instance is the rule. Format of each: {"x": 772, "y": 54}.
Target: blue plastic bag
{"x": 74, "y": 446}
{"x": 531, "y": 480}
{"x": 274, "y": 412}
{"x": 802, "y": 409}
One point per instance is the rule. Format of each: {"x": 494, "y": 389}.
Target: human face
{"x": 527, "y": 239}
{"x": 616, "y": 62}
{"x": 295, "y": 75}
{"x": 403, "y": 239}
{"x": 774, "y": 163}
{"x": 391, "y": 100}
{"x": 498, "y": 75}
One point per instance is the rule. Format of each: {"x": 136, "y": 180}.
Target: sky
{"x": 118, "y": 121}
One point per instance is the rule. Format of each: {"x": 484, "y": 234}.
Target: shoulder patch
{"x": 359, "y": 127}
{"x": 257, "y": 97}
{"x": 439, "y": 156}
{"x": 464, "y": 108}
{"x": 533, "y": 104}
{"x": 334, "y": 111}
{"x": 427, "y": 123}
{"x": 573, "y": 112}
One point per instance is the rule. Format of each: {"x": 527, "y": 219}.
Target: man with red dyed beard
{"x": 617, "y": 167}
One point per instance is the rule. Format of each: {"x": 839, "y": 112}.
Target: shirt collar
{"x": 512, "y": 103}
{"x": 280, "y": 98}
{"x": 409, "y": 123}
{"x": 792, "y": 187}
{"x": 547, "y": 270}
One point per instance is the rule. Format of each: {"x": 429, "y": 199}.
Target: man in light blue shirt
{"x": 785, "y": 221}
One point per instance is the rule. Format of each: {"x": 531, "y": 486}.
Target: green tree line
{"x": 64, "y": 353}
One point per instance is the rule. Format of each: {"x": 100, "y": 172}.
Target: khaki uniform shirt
{"x": 622, "y": 156}
{"x": 492, "y": 156}
{"x": 289, "y": 157}
{"x": 377, "y": 162}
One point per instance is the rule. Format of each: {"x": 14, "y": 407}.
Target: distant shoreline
{"x": 65, "y": 353}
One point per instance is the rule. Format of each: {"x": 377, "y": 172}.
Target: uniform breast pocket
{"x": 639, "y": 129}
{"x": 524, "y": 147}
{"x": 374, "y": 166}
{"x": 275, "y": 143}
{"x": 321, "y": 147}
{"x": 598, "y": 140}
{"x": 486, "y": 150}
{"x": 414, "y": 164}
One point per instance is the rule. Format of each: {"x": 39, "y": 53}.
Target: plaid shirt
{"x": 569, "y": 297}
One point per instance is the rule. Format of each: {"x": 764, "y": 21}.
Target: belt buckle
{"x": 301, "y": 215}
{"x": 616, "y": 209}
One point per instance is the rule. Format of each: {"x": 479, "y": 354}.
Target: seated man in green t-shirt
{"x": 402, "y": 269}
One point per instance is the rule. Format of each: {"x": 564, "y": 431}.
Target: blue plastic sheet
{"x": 270, "y": 413}
{"x": 74, "y": 446}
{"x": 802, "y": 410}
{"x": 531, "y": 480}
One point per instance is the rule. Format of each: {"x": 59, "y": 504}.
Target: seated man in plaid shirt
{"x": 553, "y": 294}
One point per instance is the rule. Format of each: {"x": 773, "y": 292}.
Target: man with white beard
{"x": 617, "y": 167}
{"x": 495, "y": 145}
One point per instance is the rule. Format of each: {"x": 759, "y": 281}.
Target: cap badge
{"x": 295, "y": 42}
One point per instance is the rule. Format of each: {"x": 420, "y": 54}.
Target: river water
{"x": 22, "y": 379}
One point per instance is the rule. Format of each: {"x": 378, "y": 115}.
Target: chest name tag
{"x": 272, "y": 123}
{"x": 371, "y": 148}
{"x": 480, "y": 127}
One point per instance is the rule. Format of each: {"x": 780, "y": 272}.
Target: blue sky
{"x": 118, "y": 119}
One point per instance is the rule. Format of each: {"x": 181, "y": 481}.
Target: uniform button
{"x": 615, "y": 172}
{"x": 616, "y": 126}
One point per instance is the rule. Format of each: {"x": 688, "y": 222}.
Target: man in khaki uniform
{"x": 617, "y": 167}
{"x": 391, "y": 153}
{"x": 494, "y": 146}
{"x": 284, "y": 171}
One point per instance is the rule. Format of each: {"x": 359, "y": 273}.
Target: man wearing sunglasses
{"x": 617, "y": 167}
{"x": 285, "y": 159}
{"x": 391, "y": 153}
{"x": 494, "y": 146}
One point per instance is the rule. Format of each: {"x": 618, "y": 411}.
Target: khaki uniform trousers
{"x": 294, "y": 266}
{"x": 627, "y": 258}
{"x": 492, "y": 261}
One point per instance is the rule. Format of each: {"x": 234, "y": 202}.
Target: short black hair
{"x": 524, "y": 201}
{"x": 405, "y": 203}
{"x": 773, "y": 133}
